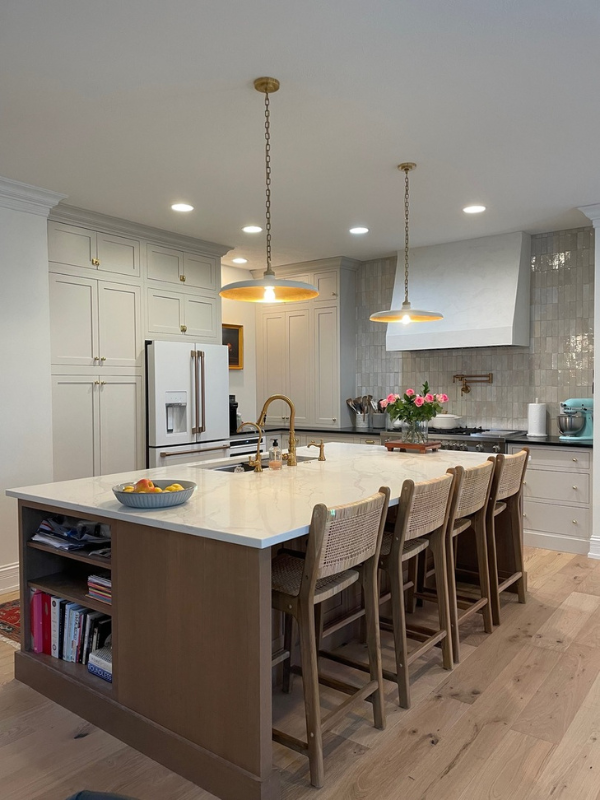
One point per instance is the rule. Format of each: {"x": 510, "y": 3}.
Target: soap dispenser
{"x": 275, "y": 459}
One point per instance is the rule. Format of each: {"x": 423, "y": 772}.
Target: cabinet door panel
{"x": 298, "y": 360}
{"x": 164, "y": 264}
{"x": 74, "y": 427}
{"x": 545, "y": 484}
{"x": 200, "y": 271}
{"x": 118, "y": 254}
{"x": 73, "y": 320}
{"x": 119, "y": 325}
{"x": 200, "y": 317}
{"x": 120, "y": 434}
{"x": 68, "y": 244}
{"x": 326, "y": 391}
{"x": 273, "y": 359}
{"x": 327, "y": 284}
{"x": 165, "y": 312}
{"x": 565, "y": 520}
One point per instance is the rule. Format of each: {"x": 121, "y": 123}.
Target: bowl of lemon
{"x": 146, "y": 493}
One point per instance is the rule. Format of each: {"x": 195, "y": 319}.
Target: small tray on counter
{"x": 413, "y": 447}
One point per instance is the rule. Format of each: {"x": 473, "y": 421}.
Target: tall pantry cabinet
{"x": 114, "y": 284}
{"x": 307, "y": 350}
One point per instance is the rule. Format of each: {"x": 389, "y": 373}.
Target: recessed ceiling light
{"x": 359, "y": 230}
{"x": 473, "y": 209}
{"x": 252, "y": 229}
{"x": 182, "y": 207}
{"x": 240, "y": 260}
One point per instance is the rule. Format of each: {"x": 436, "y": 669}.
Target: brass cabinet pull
{"x": 369, "y": 441}
{"x": 183, "y": 328}
{"x": 182, "y": 278}
{"x": 95, "y": 262}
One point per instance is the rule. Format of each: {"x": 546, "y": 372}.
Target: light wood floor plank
{"x": 566, "y": 622}
{"x": 553, "y": 707}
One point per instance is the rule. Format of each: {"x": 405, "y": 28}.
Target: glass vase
{"x": 415, "y": 431}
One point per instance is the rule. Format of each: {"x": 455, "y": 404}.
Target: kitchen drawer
{"x": 565, "y": 520}
{"x": 367, "y": 440}
{"x": 566, "y": 487}
{"x": 562, "y": 457}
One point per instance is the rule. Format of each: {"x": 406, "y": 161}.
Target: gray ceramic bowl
{"x": 158, "y": 499}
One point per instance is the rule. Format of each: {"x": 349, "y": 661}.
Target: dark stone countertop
{"x": 548, "y": 441}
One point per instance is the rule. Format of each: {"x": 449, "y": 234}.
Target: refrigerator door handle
{"x": 201, "y": 356}
{"x": 196, "y": 428}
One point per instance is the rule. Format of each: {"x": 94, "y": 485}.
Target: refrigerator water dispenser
{"x": 176, "y": 411}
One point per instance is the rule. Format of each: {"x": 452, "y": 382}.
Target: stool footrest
{"x": 279, "y": 656}
{"x": 509, "y": 581}
{"x": 290, "y": 741}
{"x": 331, "y": 683}
{"x": 430, "y": 642}
{"x": 356, "y": 697}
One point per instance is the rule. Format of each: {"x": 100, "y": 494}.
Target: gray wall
{"x": 557, "y": 364}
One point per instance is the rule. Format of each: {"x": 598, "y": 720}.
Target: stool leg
{"x": 516, "y": 521}
{"x": 453, "y": 607}
{"x": 371, "y": 599}
{"x": 493, "y": 570}
{"x": 400, "y": 646}
{"x": 412, "y": 567}
{"x": 484, "y": 575}
{"x": 310, "y": 684}
{"x": 437, "y": 542}
{"x": 288, "y": 627}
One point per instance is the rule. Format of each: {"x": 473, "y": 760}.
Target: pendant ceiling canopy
{"x": 269, "y": 288}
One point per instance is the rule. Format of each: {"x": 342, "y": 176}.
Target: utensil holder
{"x": 360, "y": 421}
{"x": 378, "y": 420}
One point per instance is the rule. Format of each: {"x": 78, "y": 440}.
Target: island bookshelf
{"x": 186, "y": 613}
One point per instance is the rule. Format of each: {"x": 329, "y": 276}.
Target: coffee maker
{"x": 576, "y": 420}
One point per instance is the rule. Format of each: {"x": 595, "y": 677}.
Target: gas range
{"x": 475, "y": 440}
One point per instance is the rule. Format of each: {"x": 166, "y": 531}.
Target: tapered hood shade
{"x": 270, "y": 288}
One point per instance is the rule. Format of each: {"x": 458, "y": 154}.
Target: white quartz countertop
{"x": 254, "y": 509}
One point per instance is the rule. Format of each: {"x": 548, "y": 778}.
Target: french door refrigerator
{"x": 187, "y": 394}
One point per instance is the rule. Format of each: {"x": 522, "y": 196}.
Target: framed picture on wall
{"x": 233, "y": 339}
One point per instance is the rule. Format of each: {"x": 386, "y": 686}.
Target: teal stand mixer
{"x": 576, "y": 420}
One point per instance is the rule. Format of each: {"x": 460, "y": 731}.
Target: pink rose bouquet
{"x": 414, "y": 407}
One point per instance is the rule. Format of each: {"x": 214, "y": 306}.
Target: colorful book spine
{"x": 57, "y": 606}
{"x": 37, "y": 621}
{"x": 46, "y": 624}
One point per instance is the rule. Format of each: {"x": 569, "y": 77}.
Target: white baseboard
{"x": 554, "y": 541}
{"x": 9, "y": 578}
{"x": 594, "y": 551}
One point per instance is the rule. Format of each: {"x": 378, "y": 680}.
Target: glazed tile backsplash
{"x": 557, "y": 364}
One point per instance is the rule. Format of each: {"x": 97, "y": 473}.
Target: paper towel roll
{"x": 536, "y": 419}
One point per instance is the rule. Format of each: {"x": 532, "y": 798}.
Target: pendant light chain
{"x": 406, "y": 235}
{"x": 268, "y": 180}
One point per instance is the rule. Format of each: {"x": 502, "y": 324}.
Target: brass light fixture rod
{"x": 467, "y": 380}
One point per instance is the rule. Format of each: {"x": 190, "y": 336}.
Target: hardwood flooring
{"x": 518, "y": 718}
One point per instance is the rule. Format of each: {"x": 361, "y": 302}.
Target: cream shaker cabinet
{"x": 308, "y": 351}
{"x": 284, "y": 363}
{"x": 557, "y": 498}
{"x": 177, "y": 313}
{"x": 94, "y": 323}
{"x": 78, "y": 247}
{"x": 176, "y": 266}
{"x": 103, "y": 414}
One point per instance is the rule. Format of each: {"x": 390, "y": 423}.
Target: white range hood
{"x": 481, "y": 286}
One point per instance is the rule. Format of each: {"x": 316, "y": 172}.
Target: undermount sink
{"x": 265, "y": 464}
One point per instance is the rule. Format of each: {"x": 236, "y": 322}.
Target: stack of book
{"x": 66, "y": 630}
{"x": 100, "y": 588}
{"x": 64, "y": 533}
{"x": 100, "y": 663}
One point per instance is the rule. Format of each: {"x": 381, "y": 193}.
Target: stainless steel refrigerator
{"x": 187, "y": 402}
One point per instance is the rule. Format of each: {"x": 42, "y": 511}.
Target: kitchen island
{"x": 191, "y": 606}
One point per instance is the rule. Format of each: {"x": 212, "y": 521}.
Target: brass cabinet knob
{"x": 96, "y": 383}
{"x": 334, "y": 419}
{"x": 102, "y": 383}
{"x": 524, "y": 483}
{"x": 183, "y": 328}
{"x": 575, "y": 487}
{"x": 102, "y": 358}
{"x": 573, "y": 459}
{"x": 182, "y": 278}
{"x": 574, "y": 521}
{"x": 96, "y": 358}
{"x": 95, "y": 262}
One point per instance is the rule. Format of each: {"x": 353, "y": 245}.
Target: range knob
{"x": 496, "y": 448}
{"x": 479, "y": 447}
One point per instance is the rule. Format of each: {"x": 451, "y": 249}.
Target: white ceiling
{"x": 130, "y": 105}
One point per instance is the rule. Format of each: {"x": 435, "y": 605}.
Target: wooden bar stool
{"x": 420, "y": 522}
{"x": 504, "y": 525}
{"x": 470, "y": 494}
{"x": 344, "y": 543}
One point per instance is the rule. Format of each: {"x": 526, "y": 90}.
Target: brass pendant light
{"x": 270, "y": 288}
{"x": 406, "y": 314}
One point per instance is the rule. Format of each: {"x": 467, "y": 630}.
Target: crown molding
{"x": 72, "y": 215}
{"x": 592, "y": 212}
{"x": 337, "y": 262}
{"x": 30, "y": 199}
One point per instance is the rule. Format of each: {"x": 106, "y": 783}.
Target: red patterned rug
{"x": 10, "y": 620}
